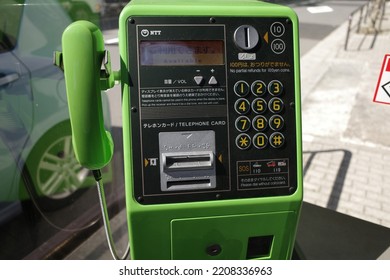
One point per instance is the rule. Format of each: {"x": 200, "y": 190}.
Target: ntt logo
{"x": 145, "y": 33}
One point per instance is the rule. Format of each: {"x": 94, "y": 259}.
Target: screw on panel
{"x": 212, "y": 20}
{"x": 131, "y": 20}
{"x": 134, "y": 109}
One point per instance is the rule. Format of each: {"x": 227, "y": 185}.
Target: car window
{"x": 47, "y": 200}
{"x": 10, "y": 15}
{"x": 41, "y": 28}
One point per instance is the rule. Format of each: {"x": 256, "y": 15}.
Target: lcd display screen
{"x": 181, "y": 53}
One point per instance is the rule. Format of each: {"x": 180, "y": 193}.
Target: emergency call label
{"x": 259, "y": 174}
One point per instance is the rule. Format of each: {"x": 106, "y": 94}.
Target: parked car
{"x": 36, "y": 156}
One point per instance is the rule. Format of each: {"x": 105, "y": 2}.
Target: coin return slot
{"x": 259, "y": 247}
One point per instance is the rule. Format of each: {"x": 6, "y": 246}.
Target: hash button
{"x": 277, "y": 140}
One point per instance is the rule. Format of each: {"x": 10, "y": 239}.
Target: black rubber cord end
{"x": 97, "y": 174}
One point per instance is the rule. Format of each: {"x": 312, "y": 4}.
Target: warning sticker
{"x": 262, "y": 174}
{"x": 163, "y": 97}
{"x": 382, "y": 92}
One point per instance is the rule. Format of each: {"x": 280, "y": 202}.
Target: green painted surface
{"x": 158, "y": 231}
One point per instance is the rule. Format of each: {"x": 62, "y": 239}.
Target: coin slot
{"x": 247, "y": 37}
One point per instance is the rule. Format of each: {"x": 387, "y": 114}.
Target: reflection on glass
{"x": 179, "y": 53}
{"x": 43, "y": 190}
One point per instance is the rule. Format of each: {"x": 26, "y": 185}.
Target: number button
{"x": 276, "y": 105}
{"x": 242, "y": 106}
{"x": 259, "y": 105}
{"x": 259, "y": 123}
{"x": 243, "y": 124}
{"x": 258, "y": 88}
{"x": 260, "y": 141}
{"x": 276, "y": 122}
{"x": 275, "y": 87}
{"x": 241, "y": 88}
{"x": 243, "y": 141}
{"x": 277, "y": 139}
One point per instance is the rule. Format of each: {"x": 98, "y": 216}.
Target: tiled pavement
{"x": 346, "y": 136}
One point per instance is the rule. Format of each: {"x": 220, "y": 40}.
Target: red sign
{"x": 388, "y": 64}
{"x": 382, "y": 92}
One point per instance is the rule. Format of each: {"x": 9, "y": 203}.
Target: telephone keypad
{"x": 263, "y": 122}
{"x": 259, "y": 106}
{"x": 260, "y": 141}
{"x": 258, "y": 88}
{"x": 276, "y": 122}
{"x": 243, "y": 141}
{"x": 259, "y": 123}
{"x": 243, "y": 124}
{"x": 242, "y": 106}
{"x": 275, "y": 88}
{"x": 276, "y": 139}
{"x": 241, "y": 88}
{"x": 276, "y": 105}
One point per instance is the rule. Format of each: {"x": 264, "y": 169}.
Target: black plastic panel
{"x": 248, "y": 100}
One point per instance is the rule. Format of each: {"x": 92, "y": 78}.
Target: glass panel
{"x": 10, "y": 17}
{"x": 47, "y": 200}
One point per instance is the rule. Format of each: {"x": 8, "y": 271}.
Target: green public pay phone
{"x": 211, "y": 124}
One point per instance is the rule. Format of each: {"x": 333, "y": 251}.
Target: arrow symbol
{"x": 187, "y": 135}
{"x": 266, "y": 37}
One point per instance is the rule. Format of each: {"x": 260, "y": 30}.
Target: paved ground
{"x": 346, "y": 135}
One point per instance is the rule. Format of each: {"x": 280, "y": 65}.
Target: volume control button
{"x": 213, "y": 81}
{"x": 198, "y": 80}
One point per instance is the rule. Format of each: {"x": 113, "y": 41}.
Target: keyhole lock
{"x": 214, "y": 250}
{"x": 246, "y": 37}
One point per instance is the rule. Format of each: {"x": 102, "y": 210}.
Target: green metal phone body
{"x": 240, "y": 228}
{"x": 211, "y": 125}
